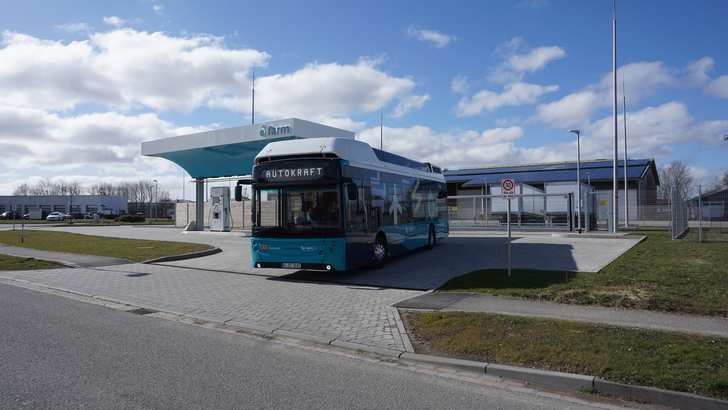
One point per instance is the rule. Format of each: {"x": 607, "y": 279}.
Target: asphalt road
{"x": 58, "y": 352}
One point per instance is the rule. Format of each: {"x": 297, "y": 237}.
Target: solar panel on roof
{"x": 548, "y": 167}
{"x": 539, "y": 173}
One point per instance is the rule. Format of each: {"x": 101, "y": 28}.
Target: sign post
{"x": 508, "y": 192}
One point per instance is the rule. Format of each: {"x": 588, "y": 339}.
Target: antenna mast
{"x": 381, "y": 130}
{"x": 253, "y": 111}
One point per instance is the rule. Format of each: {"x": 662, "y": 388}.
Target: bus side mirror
{"x": 351, "y": 189}
{"x": 352, "y": 192}
{"x": 239, "y": 188}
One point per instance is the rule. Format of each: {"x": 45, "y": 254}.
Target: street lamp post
{"x": 156, "y": 187}
{"x": 578, "y": 178}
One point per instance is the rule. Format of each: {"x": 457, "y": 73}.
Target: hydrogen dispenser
{"x": 220, "y": 209}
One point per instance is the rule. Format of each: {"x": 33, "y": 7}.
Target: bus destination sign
{"x": 302, "y": 171}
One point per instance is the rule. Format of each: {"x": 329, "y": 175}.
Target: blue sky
{"x": 460, "y": 83}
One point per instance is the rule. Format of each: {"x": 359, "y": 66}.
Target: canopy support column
{"x": 200, "y": 204}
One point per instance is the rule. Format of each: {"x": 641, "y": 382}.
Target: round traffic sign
{"x": 507, "y": 185}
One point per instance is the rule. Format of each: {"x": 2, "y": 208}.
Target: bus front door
{"x": 359, "y": 247}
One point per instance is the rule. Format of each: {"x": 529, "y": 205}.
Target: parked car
{"x": 56, "y": 216}
{"x": 76, "y": 215}
{"x": 26, "y": 216}
{"x": 9, "y": 215}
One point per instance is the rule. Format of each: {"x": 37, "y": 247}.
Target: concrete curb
{"x": 468, "y": 365}
{"x": 549, "y": 378}
{"x": 184, "y": 256}
{"x": 662, "y": 397}
{"x": 371, "y": 349}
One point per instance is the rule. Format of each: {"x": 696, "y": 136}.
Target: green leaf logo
{"x": 262, "y": 131}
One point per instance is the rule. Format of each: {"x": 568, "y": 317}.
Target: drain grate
{"x": 141, "y": 311}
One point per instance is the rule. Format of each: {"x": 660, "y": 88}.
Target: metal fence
{"x": 527, "y": 210}
{"x": 703, "y": 218}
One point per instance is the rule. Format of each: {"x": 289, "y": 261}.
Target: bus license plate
{"x": 291, "y": 265}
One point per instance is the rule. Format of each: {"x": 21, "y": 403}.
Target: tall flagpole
{"x": 626, "y": 191}
{"x": 615, "y": 185}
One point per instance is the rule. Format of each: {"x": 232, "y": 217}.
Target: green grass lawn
{"x": 89, "y": 222}
{"x": 658, "y": 274}
{"x": 665, "y": 360}
{"x": 8, "y": 263}
{"x": 135, "y": 250}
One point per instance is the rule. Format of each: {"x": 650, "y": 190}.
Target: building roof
{"x": 595, "y": 170}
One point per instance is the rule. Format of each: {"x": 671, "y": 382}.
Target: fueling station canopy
{"x": 230, "y": 151}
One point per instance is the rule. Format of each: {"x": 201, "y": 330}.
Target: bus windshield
{"x": 298, "y": 212}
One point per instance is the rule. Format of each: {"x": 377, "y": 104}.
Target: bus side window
{"x": 358, "y": 206}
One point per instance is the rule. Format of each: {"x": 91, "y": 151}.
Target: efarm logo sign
{"x": 271, "y": 131}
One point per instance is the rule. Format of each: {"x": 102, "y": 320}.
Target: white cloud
{"x": 461, "y": 85}
{"x": 513, "y": 94}
{"x": 74, "y": 28}
{"x": 574, "y": 109}
{"x": 718, "y": 87}
{"x": 437, "y": 39}
{"x": 696, "y": 72}
{"x": 520, "y": 59}
{"x": 158, "y": 8}
{"x": 34, "y": 138}
{"x": 641, "y": 80}
{"x": 453, "y": 149}
{"x": 338, "y": 90}
{"x": 653, "y": 132}
{"x": 119, "y": 22}
{"x": 125, "y": 69}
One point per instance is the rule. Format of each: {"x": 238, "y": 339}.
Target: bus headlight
{"x": 329, "y": 267}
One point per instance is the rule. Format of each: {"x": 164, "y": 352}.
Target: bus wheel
{"x": 380, "y": 253}
{"x": 431, "y": 238}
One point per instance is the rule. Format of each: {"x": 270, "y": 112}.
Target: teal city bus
{"x": 339, "y": 204}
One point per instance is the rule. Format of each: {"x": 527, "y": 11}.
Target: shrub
{"x": 130, "y": 218}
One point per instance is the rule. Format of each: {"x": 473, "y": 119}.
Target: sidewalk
{"x": 472, "y": 302}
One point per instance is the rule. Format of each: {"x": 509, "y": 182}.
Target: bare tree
{"x": 675, "y": 176}
{"x": 103, "y": 188}
{"x": 724, "y": 180}
{"x": 73, "y": 189}
{"x": 22, "y": 190}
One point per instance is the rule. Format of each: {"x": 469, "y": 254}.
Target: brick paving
{"x": 357, "y": 309}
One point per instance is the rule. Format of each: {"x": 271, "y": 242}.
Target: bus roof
{"x": 347, "y": 149}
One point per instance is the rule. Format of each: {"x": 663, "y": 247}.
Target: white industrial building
{"x": 65, "y": 203}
